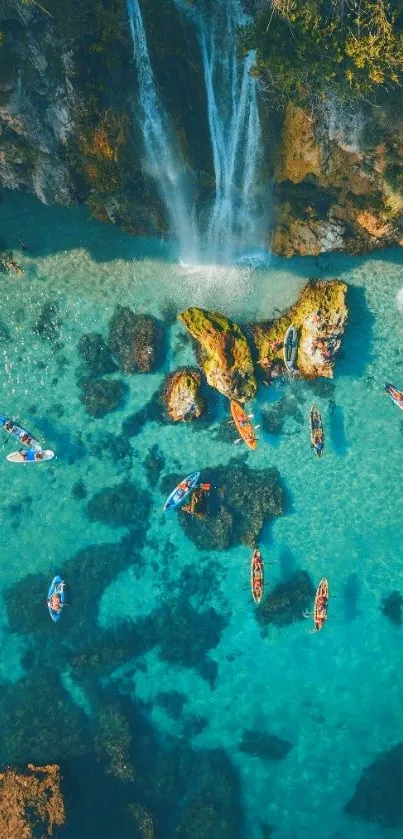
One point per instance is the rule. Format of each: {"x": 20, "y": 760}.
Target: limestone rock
{"x": 183, "y": 399}
{"x": 31, "y": 802}
{"x": 320, "y": 317}
{"x": 224, "y": 353}
{"x": 135, "y": 340}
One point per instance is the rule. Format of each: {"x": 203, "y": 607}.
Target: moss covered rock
{"x": 223, "y": 351}
{"x": 183, "y": 399}
{"x": 320, "y": 317}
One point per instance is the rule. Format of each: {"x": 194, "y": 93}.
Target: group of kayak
{"x": 33, "y": 452}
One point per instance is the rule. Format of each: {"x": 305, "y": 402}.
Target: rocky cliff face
{"x": 69, "y": 130}
{"x": 339, "y": 180}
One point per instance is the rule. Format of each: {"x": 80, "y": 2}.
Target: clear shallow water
{"x": 335, "y": 696}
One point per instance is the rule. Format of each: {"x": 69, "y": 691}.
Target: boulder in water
{"x": 135, "y": 340}
{"x": 183, "y": 399}
{"x": 320, "y": 317}
{"x": 224, "y": 353}
{"x": 286, "y": 602}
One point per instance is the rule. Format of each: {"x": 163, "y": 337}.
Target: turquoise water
{"x": 335, "y": 696}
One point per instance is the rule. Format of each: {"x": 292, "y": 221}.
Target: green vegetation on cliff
{"x": 353, "y": 45}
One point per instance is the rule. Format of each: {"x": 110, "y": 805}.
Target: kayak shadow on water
{"x": 61, "y": 439}
{"x": 337, "y": 429}
{"x": 351, "y": 595}
{"x": 357, "y": 345}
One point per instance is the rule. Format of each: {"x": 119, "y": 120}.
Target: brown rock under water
{"x": 31, "y": 802}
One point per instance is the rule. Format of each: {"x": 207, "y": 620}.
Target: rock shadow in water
{"x": 357, "y": 346}
{"x": 378, "y": 794}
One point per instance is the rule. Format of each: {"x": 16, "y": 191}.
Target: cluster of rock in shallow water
{"x": 231, "y": 360}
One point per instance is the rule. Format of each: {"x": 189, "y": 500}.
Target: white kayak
{"x": 29, "y": 456}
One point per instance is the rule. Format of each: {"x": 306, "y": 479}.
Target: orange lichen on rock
{"x": 31, "y": 803}
{"x": 320, "y": 317}
{"x": 300, "y": 153}
{"x": 374, "y": 225}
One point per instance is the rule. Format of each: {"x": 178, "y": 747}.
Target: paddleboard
{"x": 178, "y": 495}
{"x": 290, "y": 347}
{"x": 31, "y": 456}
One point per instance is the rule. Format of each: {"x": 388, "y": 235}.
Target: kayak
{"x": 290, "y": 347}
{"x": 321, "y": 604}
{"x": 178, "y": 495}
{"x": 21, "y": 433}
{"x": 317, "y": 433}
{"x": 256, "y": 576}
{"x": 243, "y": 426}
{"x": 395, "y": 395}
{"x": 31, "y": 456}
{"x": 58, "y": 587}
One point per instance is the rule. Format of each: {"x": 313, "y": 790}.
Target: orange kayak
{"x": 321, "y": 604}
{"x": 256, "y": 576}
{"x": 243, "y": 426}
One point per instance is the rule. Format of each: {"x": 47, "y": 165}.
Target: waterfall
{"x": 163, "y": 160}
{"x": 233, "y": 220}
{"x": 235, "y": 132}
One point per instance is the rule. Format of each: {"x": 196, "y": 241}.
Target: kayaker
{"x": 55, "y": 602}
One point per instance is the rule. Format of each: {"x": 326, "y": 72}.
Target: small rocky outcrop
{"x": 223, "y": 354}
{"x": 320, "y": 317}
{"x": 135, "y": 340}
{"x": 31, "y": 802}
{"x": 96, "y": 355}
{"x": 101, "y": 396}
{"x": 183, "y": 399}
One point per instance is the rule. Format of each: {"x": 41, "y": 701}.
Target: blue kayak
{"x": 178, "y": 495}
{"x": 58, "y": 587}
{"x": 20, "y": 433}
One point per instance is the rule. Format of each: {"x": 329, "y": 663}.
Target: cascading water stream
{"x": 163, "y": 162}
{"x": 234, "y": 130}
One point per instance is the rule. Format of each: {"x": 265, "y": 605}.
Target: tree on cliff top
{"x": 348, "y": 44}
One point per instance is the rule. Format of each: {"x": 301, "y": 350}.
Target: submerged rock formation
{"x": 135, "y": 340}
{"x": 320, "y": 317}
{"x": 286, "y": 602}
{"x": 101, "y": 396}
{"x": 223, "y": 353}
{"x": 95, "y": 354}
{"x": 31, "y": 802}
{"x": 183, "y": 399}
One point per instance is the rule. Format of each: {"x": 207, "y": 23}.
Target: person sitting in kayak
{"x": 55, "y": 602}
{"x": 8, "y": 425}
{"x": 31, "y": 455}
{"x": 25, "y": 438}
